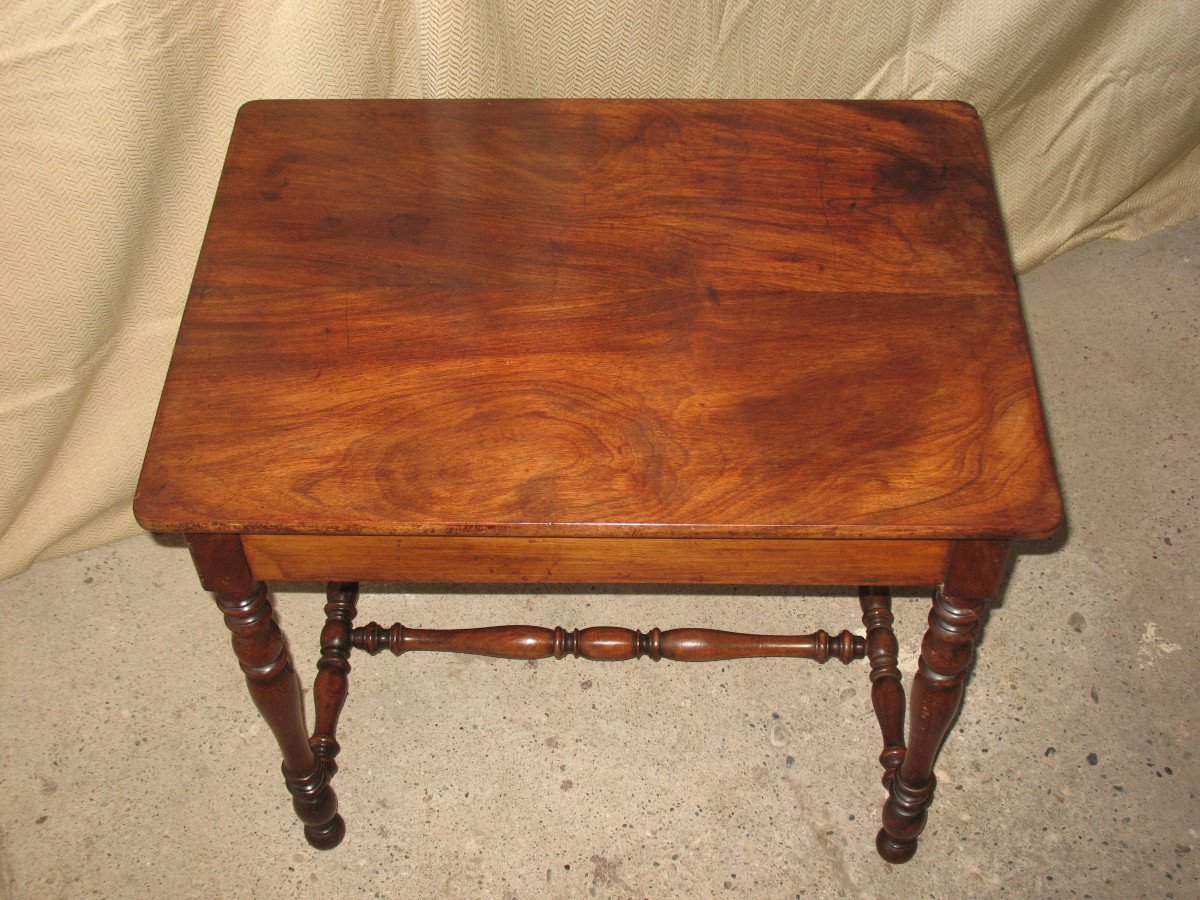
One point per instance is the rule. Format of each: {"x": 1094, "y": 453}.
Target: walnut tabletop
{"x": 592, "y": 318}
{"x": 647, "y": 341}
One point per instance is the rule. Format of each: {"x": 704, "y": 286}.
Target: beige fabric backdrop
{"x": 114, "y": 117}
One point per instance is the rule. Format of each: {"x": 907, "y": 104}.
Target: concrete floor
{"x": 135, "y": 764}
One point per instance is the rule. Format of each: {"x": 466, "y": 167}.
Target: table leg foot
{"x": 327, "y": 836}
{"x": 904, "y": 816}
{"x": 316, "y": 806}
{"x": 892, "y": 850}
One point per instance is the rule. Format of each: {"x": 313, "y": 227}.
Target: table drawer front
{"x": 606, "y": 560}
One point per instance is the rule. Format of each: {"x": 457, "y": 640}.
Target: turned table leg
{"x": 333, "y": 671}
{"x": 887, "y": 692}
{"x": 262, "y": 652}
{"x": 973, "y": 577}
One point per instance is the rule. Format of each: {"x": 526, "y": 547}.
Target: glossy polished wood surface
{"x": 565, "y": 318}
{"x": 609, "y": 643}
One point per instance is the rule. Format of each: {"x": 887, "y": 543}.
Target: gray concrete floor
{"x": 135, "y": 764}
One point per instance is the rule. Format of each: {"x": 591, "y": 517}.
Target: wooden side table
{"x": 764, "y": 342}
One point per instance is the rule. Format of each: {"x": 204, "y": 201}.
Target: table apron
{"x": 556, "y": 560}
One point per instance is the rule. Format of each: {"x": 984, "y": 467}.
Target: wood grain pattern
{"x": 602, "y": 560}
{"x": 564, "y": 318}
